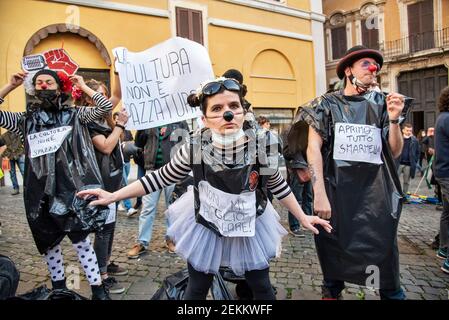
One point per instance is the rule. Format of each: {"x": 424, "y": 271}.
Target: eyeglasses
{"x": 214, "y": 87}
{"x": 366, "y": 64}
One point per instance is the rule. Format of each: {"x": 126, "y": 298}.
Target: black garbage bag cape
{"x": 365, "y": 198}
{"x": 52, "y": 180}
{"x": 111, "y": 165}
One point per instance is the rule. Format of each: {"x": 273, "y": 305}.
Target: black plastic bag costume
{"x": 52, "y": 180}
{"x": 365, "y": 197}
{"x": 246, "y": 176}
{"x": 111, "y": 165}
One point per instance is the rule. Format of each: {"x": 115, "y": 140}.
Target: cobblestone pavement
{"x": 296, "y": 274}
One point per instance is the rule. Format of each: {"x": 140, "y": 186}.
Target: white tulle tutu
{"x": 206, "y": 251}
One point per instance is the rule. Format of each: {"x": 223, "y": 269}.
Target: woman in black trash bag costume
{"x": 107, "y": 136}
{"x": 53, "y": 176}
{"x": 232, "y": 172}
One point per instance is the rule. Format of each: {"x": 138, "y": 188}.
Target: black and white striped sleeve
{"x": 278, "y": 186}
{"x": 176, "y": 170}
{"x": 11, "y": 121}
{"x": 101, "y": 108}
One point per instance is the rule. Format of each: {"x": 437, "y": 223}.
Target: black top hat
{"x": 354, "y": 54}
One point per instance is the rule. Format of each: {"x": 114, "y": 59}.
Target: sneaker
{"x": 170, "y": 246}
{"x": 138, "y": 205}
{"x": 120, "y": 208}
{"x": 136, "y": 251}
{"x": 116, "y": 270}
{"x": 445, "y": 267}
{"x": 100, "y": 292}
{"x": 131, "y": 212}
{"x": 442, "y": 253}
{"x": 15, "y": 192}
{"x": 113, "y": 286}
{"x": 297, "y": 232}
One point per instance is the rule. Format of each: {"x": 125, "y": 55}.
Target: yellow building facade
{"x": 277, "y": 45}
{"x": 413, "y": 35}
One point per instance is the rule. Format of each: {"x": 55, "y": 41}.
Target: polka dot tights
{"x": 86, "y": 256}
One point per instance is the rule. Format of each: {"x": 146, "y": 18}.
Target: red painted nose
{"x": 372, "y": 68}
{"x": 43, "y": 87}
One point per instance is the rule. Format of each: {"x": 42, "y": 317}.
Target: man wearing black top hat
{"x": 351, "y": 138}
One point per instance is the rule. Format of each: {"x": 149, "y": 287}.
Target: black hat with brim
{"x": 354, "y": 54}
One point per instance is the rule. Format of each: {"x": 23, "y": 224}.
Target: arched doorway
{"x": 83, "y": 47}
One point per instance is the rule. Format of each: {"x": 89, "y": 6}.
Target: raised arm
{"x": 102, "y": 105}
{"x": 107, "y": 145}
{"x": 11, "y": 120}
{"x": 395, "y": 104}
{"x": 116, "y": 91}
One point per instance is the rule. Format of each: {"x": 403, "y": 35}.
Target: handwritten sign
{"x": 112, "y": 213}
{"x": 233, "y": 214}
{"x": 357, "y": 142}
{"x": 156, "y": 82}
{"x": 48, "y": 141}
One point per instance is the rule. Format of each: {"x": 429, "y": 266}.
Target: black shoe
{"x": 116, "y": 270}
{"x": 436, "y": 242}
{"x": 297, "y": 232}
{"x": 327, "y": 295}
{"x": 113, "y": 286}
{"x": 60, "y": 284}
{"x": 100, "y": 293}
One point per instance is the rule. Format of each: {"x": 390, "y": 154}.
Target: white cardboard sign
{"x": 48, "y": 141}
{"x": 233, "y": 214}
{"x": 357, "y": 142}
{"x": 155, "y": 83}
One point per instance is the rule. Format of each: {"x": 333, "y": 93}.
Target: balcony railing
{"x": 416, "y": 43}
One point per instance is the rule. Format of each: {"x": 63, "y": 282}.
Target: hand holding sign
{"x": 122, "y": 117}
{"x": 78, "y": 81}
{"x": 17, "y": 79}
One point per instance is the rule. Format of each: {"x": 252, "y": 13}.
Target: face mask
{"x": 47, "y": 97}
{"x": 361, "y": 87}
{"x": 227, "y": 139}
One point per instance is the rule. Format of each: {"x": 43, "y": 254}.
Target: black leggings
{"x": 103, "y": 245}
{"x": 200, "y": 282}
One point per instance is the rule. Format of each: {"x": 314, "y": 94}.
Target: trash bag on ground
{"x": 175, "y": 285}
{"x": 9, "y": 278}
{"x": 44, "y": 293}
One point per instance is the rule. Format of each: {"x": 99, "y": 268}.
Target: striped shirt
{"x": 12, "y": 121}
{"x": 179, "y": 167}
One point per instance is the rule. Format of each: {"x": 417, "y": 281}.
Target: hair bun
{"x": 193, "y": 100}
{"x": 244, "y": 90}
